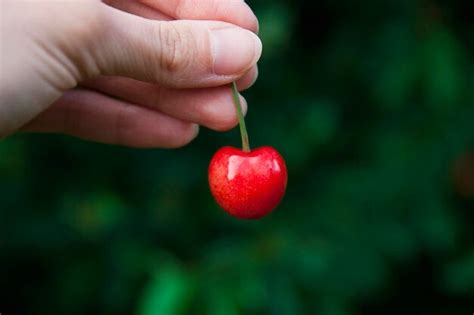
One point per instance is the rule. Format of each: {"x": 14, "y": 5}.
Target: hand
{"x": 142, "y": 74}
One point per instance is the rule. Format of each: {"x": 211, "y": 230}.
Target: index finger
{"x": 232, "y": 11}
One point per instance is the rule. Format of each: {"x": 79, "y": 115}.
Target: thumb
{"x": 182, "y": 53}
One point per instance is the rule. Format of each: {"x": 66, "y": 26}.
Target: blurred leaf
{"x": 12, "y": 158}
{"x": 275, "y": 23}
{"x": 93, "y": 214}
{"x": 168, "y": 292}
{"x": 444, "y": 74}
{"x": 396, "y": 65}
{"x": 459, "y": 275}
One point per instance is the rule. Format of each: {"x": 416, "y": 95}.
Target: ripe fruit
{"x": 247, "y": 184}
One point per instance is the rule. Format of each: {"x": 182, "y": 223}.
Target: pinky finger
{"x": 93, "y": 116}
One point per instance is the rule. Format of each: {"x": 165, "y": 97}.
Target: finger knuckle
{"x": 175, "y": 47}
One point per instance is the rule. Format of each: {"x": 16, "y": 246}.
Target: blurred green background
{"x": 372, "y": 105}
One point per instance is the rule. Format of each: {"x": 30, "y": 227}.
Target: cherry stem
{"x": 240, "y": 115}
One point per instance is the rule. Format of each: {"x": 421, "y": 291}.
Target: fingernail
{"x": 234, "y": 50}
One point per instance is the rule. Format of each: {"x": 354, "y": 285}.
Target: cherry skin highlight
{"x": 247, "y": 185}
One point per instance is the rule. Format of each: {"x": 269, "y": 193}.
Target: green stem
{"x": 240, "y": 115}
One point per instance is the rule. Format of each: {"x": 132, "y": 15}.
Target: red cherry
{"x": 247, "y": 185}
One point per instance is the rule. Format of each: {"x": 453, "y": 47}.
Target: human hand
{"x": 86, "y": 69}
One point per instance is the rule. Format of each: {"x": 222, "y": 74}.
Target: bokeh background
{"x": 372, "y": 105}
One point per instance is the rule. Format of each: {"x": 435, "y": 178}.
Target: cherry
{"x": 247, "y": 184}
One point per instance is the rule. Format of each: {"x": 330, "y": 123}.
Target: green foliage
{"x": 371, "y": 103}
{"x": 167, "y": 292}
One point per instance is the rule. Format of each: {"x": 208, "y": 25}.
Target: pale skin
{"x": 133, "y": 73}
